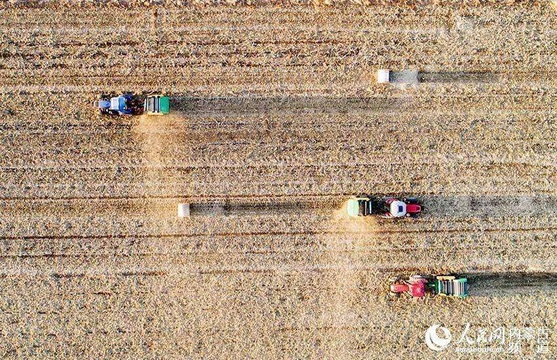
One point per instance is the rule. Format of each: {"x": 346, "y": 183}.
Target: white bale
{"x": 383, "y": 76}
{"x": 183, "y": 210}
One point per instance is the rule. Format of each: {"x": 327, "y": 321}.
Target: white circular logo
{"x": 433, "y": 341}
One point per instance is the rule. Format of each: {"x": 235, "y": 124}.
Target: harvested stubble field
{"x": 276, "y": 121}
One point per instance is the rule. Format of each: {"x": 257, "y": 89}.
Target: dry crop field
{"x": 276, "y": 120}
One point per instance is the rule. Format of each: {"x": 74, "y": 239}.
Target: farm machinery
{"x": 417, "y": 286}
{"x": 390, "y": 207}
{"x": 133, "y": 104}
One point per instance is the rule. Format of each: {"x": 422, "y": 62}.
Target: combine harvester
{"x": 133, "y": 104}
{"x": 418, "y": 286}
{"x": 388, "y": 208}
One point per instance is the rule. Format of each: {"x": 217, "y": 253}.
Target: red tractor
{"x": 391, "y": 207}
{"x": 414, "y": 286}
{"x": 396, "y": 208}
{"x": 417, "y": 286}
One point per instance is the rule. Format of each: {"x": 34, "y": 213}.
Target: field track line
{"x": 260, "y": 252}
{"x": 281, "y": 233}
{"x": 434, "y": 162}
{"x": 232, "y": 197}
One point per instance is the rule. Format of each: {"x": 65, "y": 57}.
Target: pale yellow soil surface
{"x": 276, "y": 120}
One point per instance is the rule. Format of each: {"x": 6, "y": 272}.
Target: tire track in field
{"x": 512, "y": 283}
{"x": 284, "y": 233}
{"x": 350, "y": 249}
{"x": 436, "y": 205}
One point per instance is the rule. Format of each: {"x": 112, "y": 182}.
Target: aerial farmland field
{"x": 276, "y": 120}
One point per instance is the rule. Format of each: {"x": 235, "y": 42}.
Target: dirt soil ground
{"x": 276, "y": 120}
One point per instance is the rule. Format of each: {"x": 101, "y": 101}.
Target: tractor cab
{"x": 119, "y": 105}
{"x": 116, "y": 103}
{"x": 398, "y": 208}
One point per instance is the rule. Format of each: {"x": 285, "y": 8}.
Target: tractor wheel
{"x": 394, "y": 280}
{"x": 411, "y": 200}
{"x": 394, "y": 294}
{"x": 391, "y": 281}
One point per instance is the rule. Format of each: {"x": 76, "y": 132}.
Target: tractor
{"x": 124, "y": 104}
{"x": 391, "y": 207}
{"x": 131, "y": 104}
{"x": 399, "y": 208}
{"x": 417, "y": 286}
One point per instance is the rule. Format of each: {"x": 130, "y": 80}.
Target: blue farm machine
{"x": 133, "y": 104}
